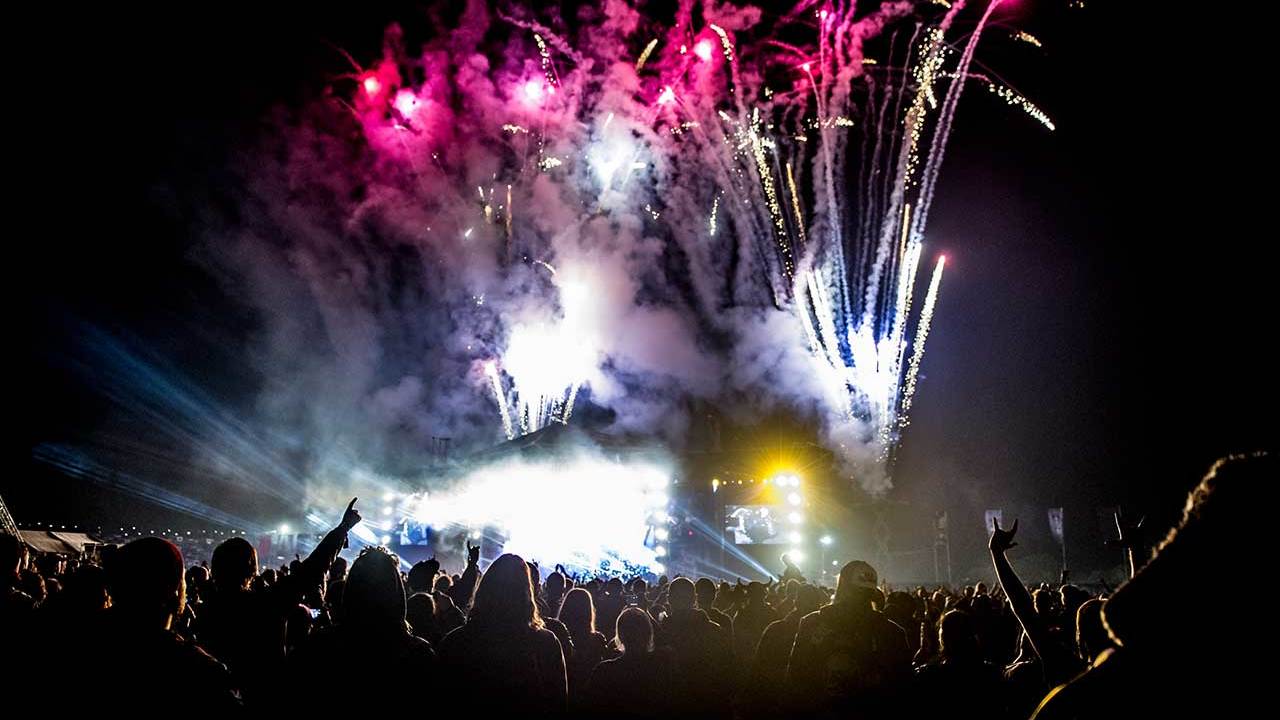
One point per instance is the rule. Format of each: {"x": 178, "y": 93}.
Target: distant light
{"x": 794, "y": 498}
{"x": 662, "y": 533}
{"x": 704, "y": 49}
{"x": 406, "y": 102}
{"x": 284, "y": 528}
{"x": 796, "y": 518}
{"x": 386, "y": 510}
{"x": 386, "y": 539}
{"x": 795, "y": 537}
{"x": 797, "y": 555}
{"x": 388, "y": 496}
{"x": 806, "y": 67}
{"x": 534, "y": 90}
{"x": 715, "y": 484}
{"x": 657, "y": 568}
{"x": 825, "y": 540}
{"x": 835, "y": 563}
{"x": 660, "y": 551}
{"x": 475, "y": 534}
{"x": 667, "y": 95}
{"x": 371, "y": 84}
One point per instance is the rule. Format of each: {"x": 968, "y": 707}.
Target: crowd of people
{"x": 145, "y": 633}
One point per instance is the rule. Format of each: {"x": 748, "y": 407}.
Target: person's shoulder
{"x": 543, "y": 636}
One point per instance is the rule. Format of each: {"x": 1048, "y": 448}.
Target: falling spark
{"x": 495, "y": 381}
{"x": 644, "y": 56}
{"x": 922, "y": 334}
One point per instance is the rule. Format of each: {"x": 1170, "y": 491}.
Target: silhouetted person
{"x": 610, "y": 602}
{"x": 138, "y": 666}
{"x": 701, "y": 655}
{"x": 463, "y": 588}
{"x": 848, "y": 658}
{"x": 959, "y": 678}
{"x": 503, "y": 662}
{"x": 705, "y": 592}
{"x": 246, "y": 628}
{"x": 637, "y": 684}
{"x": 578, "y": 614}
{"x": 1035, "y": 612}
{"x": 768, "y": 692}
{"x": 373, "y": 629}
{"x": 749, "y": 624}
{"x": 1179, "y": 652}
{"x": 1091, "y": 635}
{"x": 420, "y": 611}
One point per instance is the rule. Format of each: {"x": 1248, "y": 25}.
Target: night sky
{"x": 1102, "y": 334}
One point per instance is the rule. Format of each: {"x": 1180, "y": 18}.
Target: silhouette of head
{"x": 234, "y": 563}
{"x": 420, "y": 611}
{"x": 443, "y": 583}
{"x": 578, "y": 613}
{"x": 680, "y": 594}
{"x": 422, "y": 576}
{"x": 1221, "y": 517}
{"x": 957, "y": 637}
{"x": 338, "y": 570}
{"x": 1091, "y": 634}
{"x": 374, "y": 595}
{"x": 634, "y": 631}
{"x": 809, "y": 598}
{"x": 555, "y": 583}
{"x": 504, "y": 598}
{"x": 146, "y": 580}
{"x": 86, "y": 589}
{"x": 705, "y": 590}
{"x": 856, "y": 583}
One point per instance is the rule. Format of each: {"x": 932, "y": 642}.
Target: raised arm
{"x": 317, "y": 563}
{"x": 1129, "y": 538}
{"x": 464, "y": 590}
{"x": 1019, "y": 598}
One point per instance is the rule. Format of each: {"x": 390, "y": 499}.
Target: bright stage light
{"x": 371, "y": 84}
{"x": 386, "y": 539}
{"x": 825, "y": 540}
{"x": 794, "y": 498}
{"x": 388, "y": 497}
{"x": 662, "y": 533}
{"x": 476, "y": 534}
{"x": 284, "y": 528}
{"x": 795, "y": 537}
{"x": 660, "y": 551}
{"x": 795, "y": 518}
{"x": 796, "y": 555}
{"x": 704, "y": 49}
{"x": 610, "y": 501}
{"x": 657, "y": 568}
{"x": 386, "y": 510}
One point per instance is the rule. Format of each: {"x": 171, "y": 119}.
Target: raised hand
{"x": 473, "y": 553}
{"x": 1129, "y": 530}
{"x": 1002, "y": 540}
{"x": 351, "y": 517}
